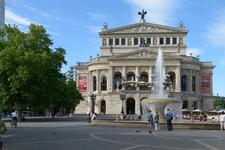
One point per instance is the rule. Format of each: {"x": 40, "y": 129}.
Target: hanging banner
{"x": 206, "y": 83}
{"x": 82, "y": 83}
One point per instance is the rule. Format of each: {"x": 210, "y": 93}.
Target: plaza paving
{"x": 77, "y": 134}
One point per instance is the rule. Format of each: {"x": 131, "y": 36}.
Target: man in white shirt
{"x": 222, "y": 120}
{"x": 14, "y": 115}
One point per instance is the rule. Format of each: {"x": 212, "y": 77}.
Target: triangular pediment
{"x": 140, "y": 54}
{"x": 143, "y": 28}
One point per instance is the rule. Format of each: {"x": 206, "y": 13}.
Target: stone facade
{"x": 127, "y": 63}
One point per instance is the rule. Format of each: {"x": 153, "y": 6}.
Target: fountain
{"x": 159, "y": 99}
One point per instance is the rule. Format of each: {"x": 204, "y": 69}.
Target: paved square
{"x": 67, "y": 135}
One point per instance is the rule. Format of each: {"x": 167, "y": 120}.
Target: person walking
{"x": 156, "y": 120}
{"x": 150, "y": 121}
{"x": 14, "y": 119}
{"x": 222, "y": 120}
{"x": 169, "y": 118}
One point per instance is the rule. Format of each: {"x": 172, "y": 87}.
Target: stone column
{"x": 190, "y": 82}
{"x": 138, "y": 103}
{"x": 177, "y": 88}
{"x": 164, "y": 71}
{"x": 211, "y": 83}
{"x": 98, "y": 81}
{"x": 110, "y": 79}
{"x": 90, "y": 82}
{"x": 164, "y": 41}
{"x": 124, "y": 74}
{"x": 132, "y": 41}
{"x": 198, "y": 82}
{"x": 137, "y": 73}
{"x": 158, "y": 41}
{"x": 150, "y": 74}
{"x": 151, "y": 40}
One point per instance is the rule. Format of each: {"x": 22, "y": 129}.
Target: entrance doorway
{"x": 130, "y": 106}
{"x": 103, "y": 107}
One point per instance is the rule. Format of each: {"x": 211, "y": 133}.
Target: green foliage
{"x": 217, "y": 103}
{"x": 68, "y": 95}
{"x": 30, "y": 70}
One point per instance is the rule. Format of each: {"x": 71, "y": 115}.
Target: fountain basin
{"x": 159, "y": 100}
{"x": 157, "y": 105}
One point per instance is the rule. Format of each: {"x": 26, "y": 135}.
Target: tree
{"x": 73, "y": 95}
{"x": 218, "y": 103}
{"x": 29, "y": 68}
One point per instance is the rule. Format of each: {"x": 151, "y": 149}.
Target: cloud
{"x": 49, "y": 16}
{"x": 216, "y": 29}
{"x": 159, "y": 11}
{"x": 13, "y": 18}
{"x": 193, "y": 51}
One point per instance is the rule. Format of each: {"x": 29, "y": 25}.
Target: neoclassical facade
{"x": 127, "y": 64}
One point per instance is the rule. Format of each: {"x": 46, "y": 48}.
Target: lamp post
{"x": 201, "y": 101}
{"x": 93, "y": 97}
{"x": 122, "y": 97}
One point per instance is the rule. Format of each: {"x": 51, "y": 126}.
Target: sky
{"x": 74, "y": 25}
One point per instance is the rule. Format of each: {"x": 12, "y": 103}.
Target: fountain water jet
{"x": 159, "y": 101}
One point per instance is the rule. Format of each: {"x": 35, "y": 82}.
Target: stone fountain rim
{"x": 159, "y": 100}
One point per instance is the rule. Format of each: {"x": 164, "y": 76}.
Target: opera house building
{"x": 122, "y": 75}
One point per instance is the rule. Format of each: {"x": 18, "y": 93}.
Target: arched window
{"x": 103, "y": 83}
{"x": 130, "y": 76}
{"x": 193, "y": 83}
{"x": 130, "y": 79}
{"x": 184, "y": 83}
{"x": 94, "y": 83}
{"x": 172, "y": 78}
{"x": 117, "y": 80}
{"x": 143, "y": 79}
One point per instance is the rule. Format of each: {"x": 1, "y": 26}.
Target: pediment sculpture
{"x": 144, "y": 28}
{"x": 141, "y": 54}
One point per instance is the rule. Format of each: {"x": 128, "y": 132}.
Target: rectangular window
{"x": 110, "y": 41}
{"x": 104, "y": 42}
{"x": 161, "y": 41}
{"x": 149, "y": 41}
{"x": 174, "y": 40}
{"x": 123, "y": 41}
{"x": 167, "y": 41}
{"x": 142, "y": 40}
{"x": 135, "y": 41}
{"x": 117, "y": 41}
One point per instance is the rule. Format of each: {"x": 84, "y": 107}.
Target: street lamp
{"x": 122, "y": 97}
{"x": 93, "y": 97}
{"x": 201, "y": 101}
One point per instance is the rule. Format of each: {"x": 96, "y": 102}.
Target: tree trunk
{"x": 19, "y": 112}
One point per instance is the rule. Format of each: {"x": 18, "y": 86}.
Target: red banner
{"x": 206, "y": 83}
{"x": 82, "y": 83}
